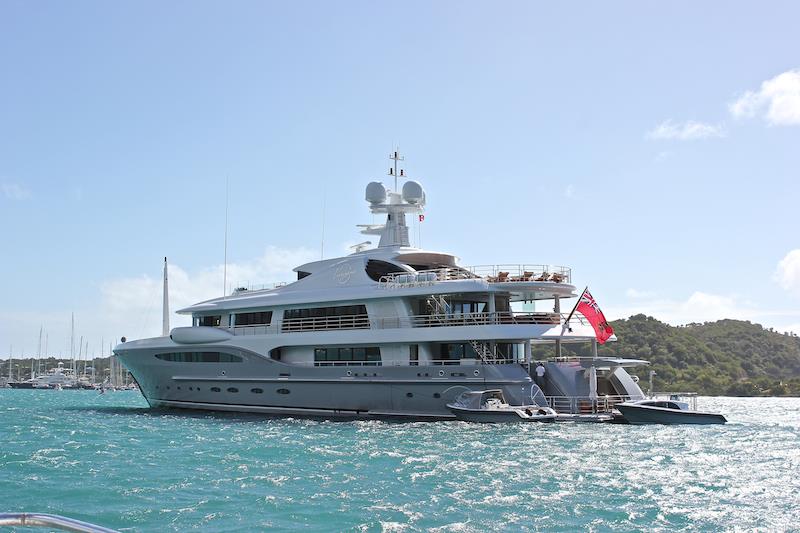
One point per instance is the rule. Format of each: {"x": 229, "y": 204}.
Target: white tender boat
{"x": 491, "y": 406}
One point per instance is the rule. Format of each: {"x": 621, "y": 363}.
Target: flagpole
{"x": 566, "y": 322}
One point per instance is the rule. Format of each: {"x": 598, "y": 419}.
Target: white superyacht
{"x": 392, "y": 331}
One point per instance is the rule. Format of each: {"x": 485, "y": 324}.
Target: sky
{"x": 651, "y": 147}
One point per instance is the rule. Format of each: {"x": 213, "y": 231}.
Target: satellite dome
{"x": 376, "y": 193}
{"x": 413, "y": 192}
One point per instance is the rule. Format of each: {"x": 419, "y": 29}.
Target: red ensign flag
{"x": 588, "y": 307}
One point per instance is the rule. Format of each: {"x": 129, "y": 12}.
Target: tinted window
{"x": 257, "y": 391}
{"x": 320, "y": 312}
{"x": 367, "y": 353}
{"x": 233, "y": 389}
{"x": 260, "y": 318}
{"x": 210, "y": 320}
{"x": 377, "y": 269}
{"x": 199, "y": 357}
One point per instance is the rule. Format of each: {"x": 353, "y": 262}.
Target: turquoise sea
{"x": 109, "y": 460}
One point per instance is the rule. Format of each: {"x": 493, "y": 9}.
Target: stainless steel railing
{"x": 427, "y": 362}
{"x": 491, "y": 273}
{"x": 523, "y": 272}
{"x": 417, "y": 321}
{"x": 585, "y": 404}
{"x": 51, "y": 521}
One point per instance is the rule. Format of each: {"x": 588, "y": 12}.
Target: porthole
{"x": 167, "y": 387}
{"x": 437, "y": 395}
{"x": 215, "y": 389}
{"x": 223, "y": 372}
{"x": 441, "y": 372}
{"x": 475, "y": 372}
{"x": 233, "y": 389}
{"x": 409, "y": 395}
{"x": 283, "y": 391}
{"x": 349, "y": 373}
{"x": 257, "y": 391}
{"x": 178, "y": 388}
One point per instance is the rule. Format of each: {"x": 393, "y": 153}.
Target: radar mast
{"x": 395, "y": 203}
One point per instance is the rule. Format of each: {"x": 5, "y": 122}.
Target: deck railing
{"x": 491, "y": 273}
{"x": 428, "y": 362}
{"x": 290, "y": 325}
{"x": 585, "y": 404}
{"x": 523, "y": 272}
{"x": 50, "y": 521}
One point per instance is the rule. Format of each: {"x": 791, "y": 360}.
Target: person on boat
{"x": 540, "y": 371}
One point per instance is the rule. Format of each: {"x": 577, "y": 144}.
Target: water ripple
{"x": 109, "y": 460}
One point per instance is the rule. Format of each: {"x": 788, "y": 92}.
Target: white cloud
{"x": 688, "y": 131}
{"x": 136, "y": 302}
{"x": 788, "y": 272}
{"x": 703, "y": 306}
{"x": 777, "y": 101}
{"x": 132, "y": 306}
{"x": 637, "y": 294}
{"x": 13, "y": 191}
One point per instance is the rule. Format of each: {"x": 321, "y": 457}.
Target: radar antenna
{"x": 393, "y": 171}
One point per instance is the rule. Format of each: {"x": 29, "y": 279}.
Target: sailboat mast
{"x": 38, "y": 354}
{"x": 72, "y": 342}
{"x": 165, "y": 310}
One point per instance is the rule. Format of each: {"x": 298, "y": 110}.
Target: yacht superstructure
{"x": 389, "y": 331}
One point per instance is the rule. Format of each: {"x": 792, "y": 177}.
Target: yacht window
{"x": 259, "y": 318}
{"x": 413, "y": 355}
{"x": 213, "y": 320}
{"x": 452, "y": 351}
{"x": 233, "y": 389}
{"x": 257, "y": 391}
{"x": 215, "y": 389}
{"x": 368, "y": 355}
{"x": 464, "y": 308}
{"x": 301, "y": 275}
{"x": 283, "y": 391}
{"x": 339, "y": 317}
{"x": 376, "y": 269}
{"x": 318, "y": 312}
{"x": 199, "y": 357}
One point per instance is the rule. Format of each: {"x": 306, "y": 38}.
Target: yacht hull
{"x": 261, "y": 385}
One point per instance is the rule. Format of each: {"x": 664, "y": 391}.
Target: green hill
{"x": 727, "y": 357}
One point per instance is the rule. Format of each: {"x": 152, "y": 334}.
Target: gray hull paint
{"x": 638, "y": 414}
{"x": 260, "y": 385}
